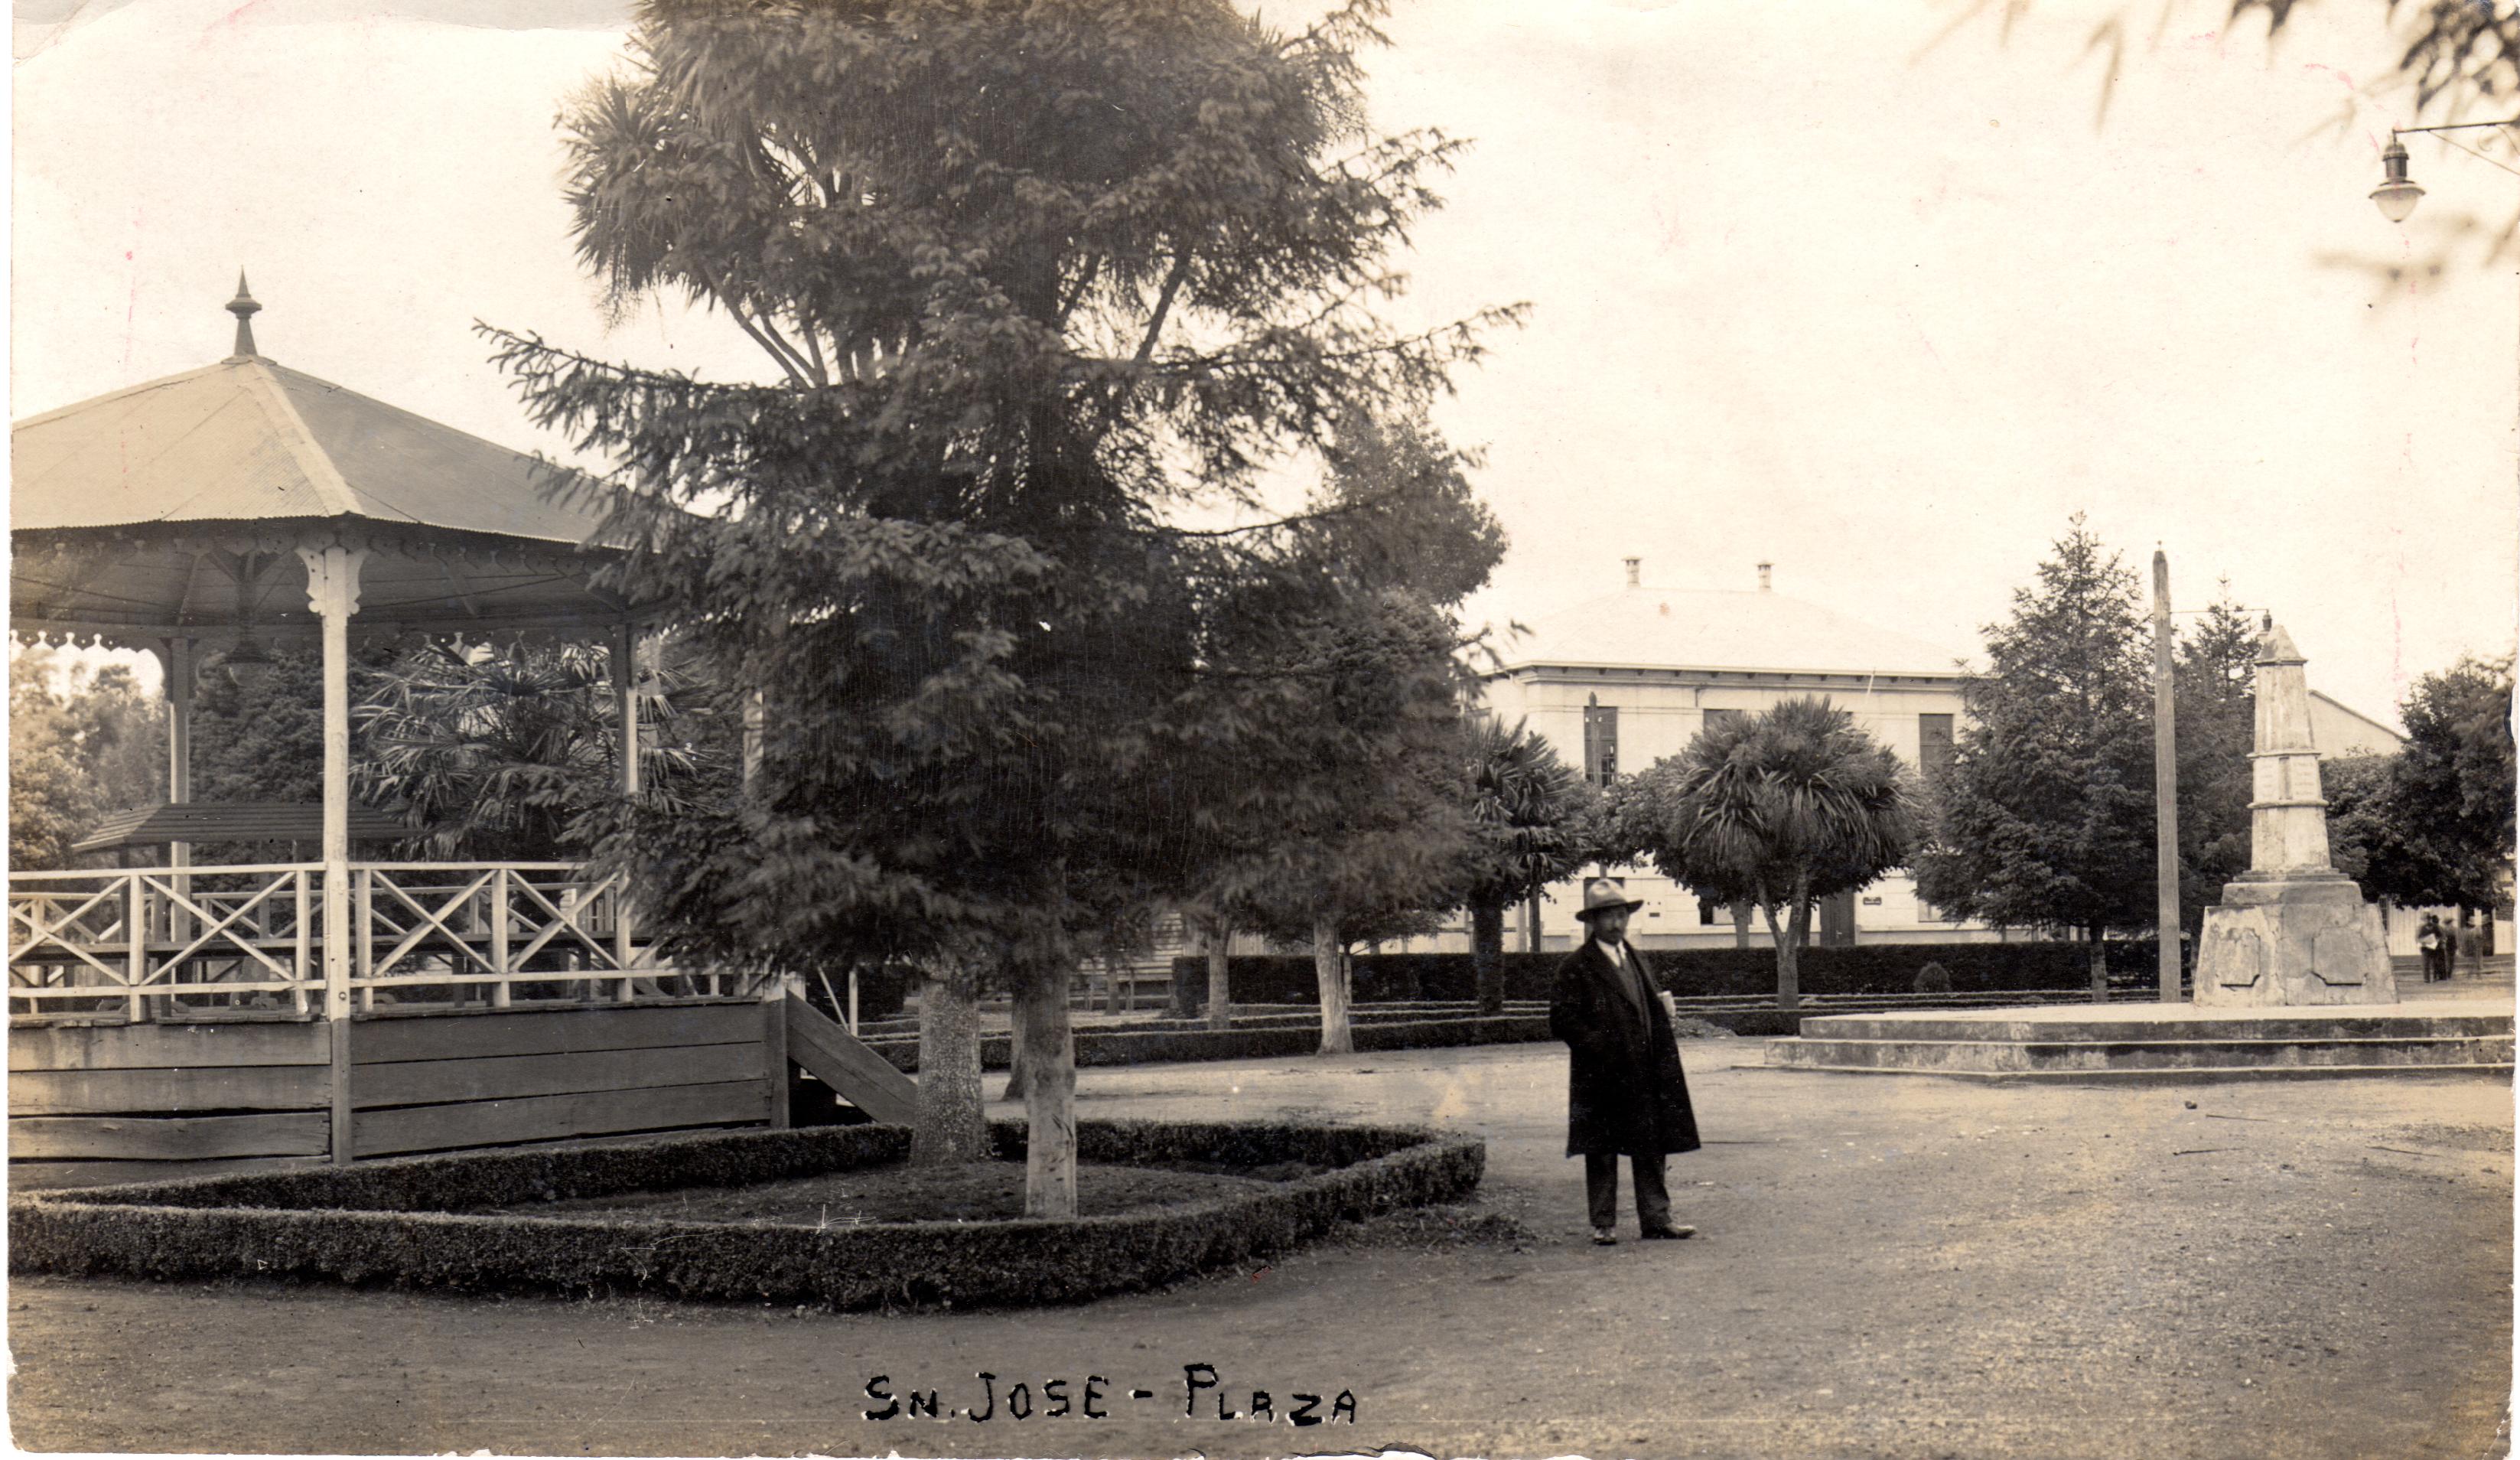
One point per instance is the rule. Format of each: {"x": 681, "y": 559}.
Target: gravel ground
{"x": 1888, "y": 1267}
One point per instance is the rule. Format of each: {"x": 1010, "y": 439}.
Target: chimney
{"x": 1763, "y": 584}
{"x": 1634, "y": 564}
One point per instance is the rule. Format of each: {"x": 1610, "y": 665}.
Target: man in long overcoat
{"x": 1626, "y": 1094}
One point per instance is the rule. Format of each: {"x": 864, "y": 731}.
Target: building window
{"x": 1711, "y": 913}
{"x": 1934, "y": 747}
{"x": 1600, "y": 741}
{"x": 1926, "y": 912}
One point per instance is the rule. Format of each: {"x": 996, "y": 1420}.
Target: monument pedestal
{"x": 2293, "y": 939}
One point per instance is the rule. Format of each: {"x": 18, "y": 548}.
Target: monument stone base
{"x": 2292, "y": 940}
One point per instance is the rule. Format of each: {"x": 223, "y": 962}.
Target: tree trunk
{"x": 951, "y": 1129}
{"x": 1740, "y": 924}
{"x": 1220, "y": 990}
{"x": 2099, "y": 968}
{"x": 1014, "y": 1089}
{"x": 1185, "y": 997}
{"x": 1487, "y": 954}
{"x": 1046, "y": 1050}
{"x": 1116, "y": 994}
{"x": 1789, "y": 969}
{"x": 1531, "y": 923}
{"x": 1330, "y": 971}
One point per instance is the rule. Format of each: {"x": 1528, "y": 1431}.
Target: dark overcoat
{"x": 1625, "y": 1092}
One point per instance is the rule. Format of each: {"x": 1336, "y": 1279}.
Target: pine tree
{"x": 1034, "y": 279}
{"x": 2047, "y": 820}
{"x": 2215, "y": 680}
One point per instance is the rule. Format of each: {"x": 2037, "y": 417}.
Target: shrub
{"x": 1933, "y": 977}
{"x": 386, "y": 1222}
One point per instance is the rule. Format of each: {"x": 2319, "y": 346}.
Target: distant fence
{"x": 1688, "y": 973}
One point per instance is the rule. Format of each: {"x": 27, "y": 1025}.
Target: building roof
{"x": 2338, "y": 729}
{"x": 177, "y": 509}
{"x": 1754, "y": 631}
{"x": 250, "y": 440}
{"x": 233, "y": 821}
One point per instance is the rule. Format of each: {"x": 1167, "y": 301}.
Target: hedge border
{"x": 1188, "y": 1042}
{"x": 1866, "y": 968}
{"x": 385, "y": 1223}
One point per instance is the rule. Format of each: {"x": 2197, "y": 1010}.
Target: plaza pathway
{"x": 1886, "y": 1267}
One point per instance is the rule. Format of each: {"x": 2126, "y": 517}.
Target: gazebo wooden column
{"x": 179, "y": 660}
{"x": 332, "y": 596}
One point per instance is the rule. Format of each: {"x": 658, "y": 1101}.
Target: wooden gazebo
{"x": 201, "y": 518}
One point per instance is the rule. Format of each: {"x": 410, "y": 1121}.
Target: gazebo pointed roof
{"x": 250, "y": 440}
{"x": 172, "y": 508}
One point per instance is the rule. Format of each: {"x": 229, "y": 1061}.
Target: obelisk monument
{"x": 2291, "y": 930}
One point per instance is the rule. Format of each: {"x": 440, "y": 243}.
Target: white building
{"x": 1623, "y": 680}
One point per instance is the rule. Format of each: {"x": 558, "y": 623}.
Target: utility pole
{"x": 2165, "y": 779}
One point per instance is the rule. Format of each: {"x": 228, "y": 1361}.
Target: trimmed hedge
{"x": 1275, "y": 1039}
{"x": 1867, "y": 968}
{"x": 388, "y": 1222}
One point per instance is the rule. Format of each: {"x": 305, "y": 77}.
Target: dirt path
{"x": 1886, "y": 1267}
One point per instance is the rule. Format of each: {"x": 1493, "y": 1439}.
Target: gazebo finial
{"x": 244, "y": 308}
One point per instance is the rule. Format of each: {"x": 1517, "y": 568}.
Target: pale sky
{"x": 1806, "y": 285}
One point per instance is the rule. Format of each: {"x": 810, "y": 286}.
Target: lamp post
{"x": 2397, "y": 197}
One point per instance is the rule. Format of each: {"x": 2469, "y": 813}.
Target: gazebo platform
{"x": 2165, "y": 1043}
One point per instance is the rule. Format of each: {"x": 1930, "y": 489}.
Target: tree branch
{"x": 1163, "y": 306}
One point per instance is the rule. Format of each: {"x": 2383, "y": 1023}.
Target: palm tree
{"x": 1533, "y": 820}
{"x": 1779, "y": 809}
{"x": 495, "y": 754}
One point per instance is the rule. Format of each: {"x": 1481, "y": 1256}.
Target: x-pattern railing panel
{"x": 215, "y": 924}
{"x": 216, "y": 930}
{"x": 37, "y": 921}
{"x": 455, "y": 901}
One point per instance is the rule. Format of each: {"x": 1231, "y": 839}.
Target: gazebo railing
{"x": 249, "y": 938}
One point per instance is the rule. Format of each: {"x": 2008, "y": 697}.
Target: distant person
{"x": 1626, "y": 1094}
{"x": 2449, "y": 950}
{"x": 2428, "y": 938}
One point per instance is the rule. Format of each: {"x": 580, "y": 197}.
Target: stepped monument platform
{"x": 2163, "y": 1043}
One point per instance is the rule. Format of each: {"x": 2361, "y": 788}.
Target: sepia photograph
{"x": 1262, "y": 728}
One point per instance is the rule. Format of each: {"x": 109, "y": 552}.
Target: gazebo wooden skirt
{"x": 101, "y": 1102}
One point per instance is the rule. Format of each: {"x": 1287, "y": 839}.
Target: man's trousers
{"x": 1602, "y": 1190}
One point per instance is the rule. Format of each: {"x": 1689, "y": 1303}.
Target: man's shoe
{"x": 1604, "y": 1237}
{"x": 1669, "y": 1234}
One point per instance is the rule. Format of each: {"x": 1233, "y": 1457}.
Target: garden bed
{"x": 898, "y": 1192}
{"x": 461, "y": 1223}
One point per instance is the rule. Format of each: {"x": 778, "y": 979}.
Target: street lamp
{"x": 2397, "y": 194}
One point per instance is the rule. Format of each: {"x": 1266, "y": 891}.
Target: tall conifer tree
{"x": 2047, "y": 819}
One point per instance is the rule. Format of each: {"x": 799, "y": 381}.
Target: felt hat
{"x": 1605, "y": 892}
